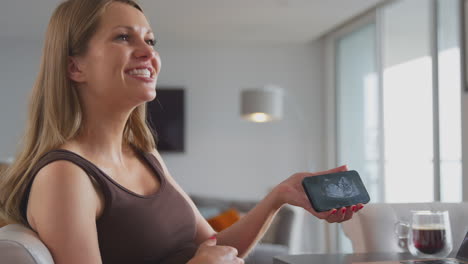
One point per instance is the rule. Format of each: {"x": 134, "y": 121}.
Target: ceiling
{"x": 256, "y": 22}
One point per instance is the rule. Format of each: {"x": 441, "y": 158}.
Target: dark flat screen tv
{"x": 166, "y": 116}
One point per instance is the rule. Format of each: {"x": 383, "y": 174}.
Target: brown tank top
{"x": 156, "y": 228}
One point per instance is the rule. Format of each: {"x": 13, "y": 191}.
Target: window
{"x": 397, "y": 80}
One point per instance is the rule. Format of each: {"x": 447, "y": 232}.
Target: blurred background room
{"x": 378, "y": 85}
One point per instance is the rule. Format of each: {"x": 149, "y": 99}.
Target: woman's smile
{"x": 142, "y": 73}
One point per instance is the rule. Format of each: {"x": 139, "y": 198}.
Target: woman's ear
{"x": 74, "y": 70}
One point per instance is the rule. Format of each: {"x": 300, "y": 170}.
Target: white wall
{"x": 225, "y": 155}
{"x": 19, "y": 64}
{"x": 464, "y": 106}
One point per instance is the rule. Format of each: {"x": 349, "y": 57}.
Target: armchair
{"x": 19, "y": 244}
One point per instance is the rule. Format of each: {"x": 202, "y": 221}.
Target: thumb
{"x": 210, "y": 242}
{"x": 340, "y": 168}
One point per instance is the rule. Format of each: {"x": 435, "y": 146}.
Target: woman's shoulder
{"x": 63, "y": 167}
{"x": 59, "y": 161}
{"x": 60, "y": 185}
{"x": 155, "y": 153}
{"x": 63, "y": 203}
{"x": 57, "y": 169}
{"x": 61, "y": 178}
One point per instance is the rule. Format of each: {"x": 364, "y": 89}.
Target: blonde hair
{"x": 55, "y": 114}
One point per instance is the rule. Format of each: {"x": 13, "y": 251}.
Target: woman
{"x": 89, "y": 180}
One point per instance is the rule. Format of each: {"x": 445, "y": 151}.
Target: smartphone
{"x": 335, "y": 190}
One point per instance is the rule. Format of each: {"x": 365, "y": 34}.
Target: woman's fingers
{"x": 209, "y": 243}
{"x": 210, "y": 253}
{"x": 359, "y": 206}
{"x": 337, "y": 169}
{"x": 233, "y": 251}
{"x": 327, "y": 214}
{"x": 239, "y": 261}
{"x": 334, "y": 170}
{"x": 349, "y": 213}
{"x": 338, "y": 215}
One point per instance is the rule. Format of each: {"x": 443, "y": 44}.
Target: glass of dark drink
{"x": 430, "y": 234}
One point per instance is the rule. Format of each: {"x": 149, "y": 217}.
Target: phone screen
{"x": 335, "y": 190}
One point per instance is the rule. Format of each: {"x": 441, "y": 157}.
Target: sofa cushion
{"x": 224, "y": 220}
{"x": 13, "y": 252}
{"x": 19, "y": 244}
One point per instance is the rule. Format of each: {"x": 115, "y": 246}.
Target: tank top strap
{"x": 154, "y": 162}
{"x": 60, "y": 154}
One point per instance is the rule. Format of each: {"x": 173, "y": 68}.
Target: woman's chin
{"x": 147, "y": 97}
{"x": 146, "y": 94}
{"x": 140, "y": 94}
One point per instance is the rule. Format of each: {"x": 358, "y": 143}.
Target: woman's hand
{"x": 210, "y": 253}
{"x": 291, "y": 192}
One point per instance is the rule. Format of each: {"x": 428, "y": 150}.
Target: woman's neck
{"x": 101, "y": 136}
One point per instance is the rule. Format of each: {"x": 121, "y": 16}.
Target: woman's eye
{"x": 123, "y": 37}
{"x": 151, "y": 42}
{"x": 126, "y": 37}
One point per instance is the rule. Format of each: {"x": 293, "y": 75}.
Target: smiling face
{"x": 120, "y": 65}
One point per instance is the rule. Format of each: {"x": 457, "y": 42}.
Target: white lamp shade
{"x": 262, "y": 104}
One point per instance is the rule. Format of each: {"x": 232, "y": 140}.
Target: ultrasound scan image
{"x": 341, "y": 188}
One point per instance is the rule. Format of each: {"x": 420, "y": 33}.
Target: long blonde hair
{"x": 55, "y": 114}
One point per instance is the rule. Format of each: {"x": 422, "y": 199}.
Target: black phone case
{"x": 335, "y": 190}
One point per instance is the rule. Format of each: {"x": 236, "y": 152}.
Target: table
{"x": 341, "y": 258}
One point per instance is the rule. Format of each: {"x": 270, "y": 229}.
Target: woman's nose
{"x": 144, "y": 50}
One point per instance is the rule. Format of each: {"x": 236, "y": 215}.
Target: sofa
{"x": 277, "y": 239}
{"x": 20, "y": 245}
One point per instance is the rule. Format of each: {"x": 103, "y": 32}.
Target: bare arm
{"x": 244, "y": 234}
{"x": 62, "y": 209}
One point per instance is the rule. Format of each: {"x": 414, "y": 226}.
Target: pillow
{"x": 224, "y": 220}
